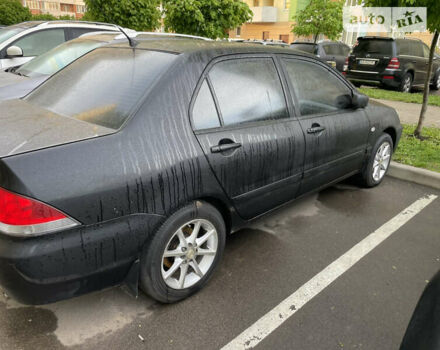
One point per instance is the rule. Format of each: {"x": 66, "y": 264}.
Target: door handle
{"x": 225, "y": 147}
{"x": 316, "y": 128}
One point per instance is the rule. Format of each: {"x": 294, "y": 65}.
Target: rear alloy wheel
{"x": 406, "y": 84}
{"x": 379, "y": 162}
{"x": 183, "y": 254}
{"x": 189, "y": 254}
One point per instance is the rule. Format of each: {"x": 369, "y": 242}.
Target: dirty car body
{"x": 105, "y": 171}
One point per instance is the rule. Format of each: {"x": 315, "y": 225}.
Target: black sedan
{"x": 133, "y": 163}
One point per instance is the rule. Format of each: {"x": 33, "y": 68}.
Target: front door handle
{"x": 225, "y": 147}
{"x": 316, "y": 128}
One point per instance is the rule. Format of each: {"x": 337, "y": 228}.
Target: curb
{"x": 416, "y": 175}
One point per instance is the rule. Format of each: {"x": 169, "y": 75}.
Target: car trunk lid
{"x": 25, "y": 127}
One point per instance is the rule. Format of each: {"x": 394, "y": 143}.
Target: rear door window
{"x": 403, "y": 48}
{"x": 40, "y": 42}
{"x": 204, "y": 112}
{"x": 332, "y": 50}
{"x": 310, "y": 48}
{"x": 103, "y": 86}
{"x": 416, "y": 49}
{"x": 373, "y": 46}
{"x": 248, "y": 90}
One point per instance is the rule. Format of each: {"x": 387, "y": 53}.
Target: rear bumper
{"x": 389, "y": 78}
{"x": 49, "y": 268}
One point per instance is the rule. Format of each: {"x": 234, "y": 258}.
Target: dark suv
{"x": 394, "y": 63}
{"x": 334, "y": 53}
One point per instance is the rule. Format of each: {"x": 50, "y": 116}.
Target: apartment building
{"x": 273, "y": 19}
{"x": 73, "y": 8}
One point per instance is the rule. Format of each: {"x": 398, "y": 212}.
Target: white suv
{"x": 22, "y": 42}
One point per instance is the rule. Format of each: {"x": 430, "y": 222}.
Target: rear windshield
{"x": 104, "y": 86}
{"x": 304, "y": 47}
{"x": 57, "y": 58}
{"x": 374, "y": 46}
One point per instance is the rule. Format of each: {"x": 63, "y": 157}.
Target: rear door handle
{"x": 315, "y": 129}
{"x": 225, "y": 147}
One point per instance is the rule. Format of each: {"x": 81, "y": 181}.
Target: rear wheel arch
{"x": 411, "y": 71}
{"x": 222, "y": 207}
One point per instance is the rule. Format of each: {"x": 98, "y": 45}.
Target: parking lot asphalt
{"x": 367, "y": 307}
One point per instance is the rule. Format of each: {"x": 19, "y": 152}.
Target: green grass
{"x": 422, "y": 154}
{"x": 416, "y": 97}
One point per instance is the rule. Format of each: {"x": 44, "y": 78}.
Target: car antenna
{"x": 133, "y": 43}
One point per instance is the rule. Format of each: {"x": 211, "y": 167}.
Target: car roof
{"x": 208, "y": 48}
{"x": 67, "y": 23}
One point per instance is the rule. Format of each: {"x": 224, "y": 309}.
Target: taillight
{"x": 394, "y": 63}
{"x": 345, "y": 68}
{"x": 23, "y": 216}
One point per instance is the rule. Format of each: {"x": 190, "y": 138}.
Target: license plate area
{"x": 367, "y": 62}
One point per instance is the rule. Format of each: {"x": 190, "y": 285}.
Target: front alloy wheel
{"x": 189, "y": 254}
{"x": 377, "y": 164}
{"x": 381, "y": 161}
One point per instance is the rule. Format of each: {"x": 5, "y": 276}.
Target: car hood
{"x": 10, "y": 78}
{"x": 21, "y": 88}
{"x": 25, "y": 127}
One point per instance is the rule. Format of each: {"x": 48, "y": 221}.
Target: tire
{"x": 436, "y": 84}
{"x": 368, "y": 177}
{"x": 155, "y": 266}
{"x": 406, "y": 83}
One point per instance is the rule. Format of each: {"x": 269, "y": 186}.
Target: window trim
{"x": 294, "y": 95}
{"x": 205, "y": 75}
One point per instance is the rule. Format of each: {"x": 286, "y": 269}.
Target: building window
{"x": 286, "y": 4}
{"x": 256, "y": 3}
{"x": 265, "y": 35}
{"x": 238, "y": 31}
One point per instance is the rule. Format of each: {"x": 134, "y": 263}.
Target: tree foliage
{"x": 433, "y": 25}
{"x": 209, "y": 18}
{"x": 141, "y": 15}
{"x": 12, "y": 11}
{"x": 320, "y": 17}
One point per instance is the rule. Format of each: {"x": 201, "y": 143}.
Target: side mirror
{"x": 14, "y": 51}
{"x": 359, "y": 100}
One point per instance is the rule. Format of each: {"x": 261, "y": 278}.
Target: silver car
{"x": 16, "y": 83}
{"x": 22, "y": 42}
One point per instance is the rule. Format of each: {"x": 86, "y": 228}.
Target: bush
{"x": 12, "y": 12}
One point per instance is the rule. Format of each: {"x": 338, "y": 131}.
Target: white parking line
{"x": 289, "y": 306}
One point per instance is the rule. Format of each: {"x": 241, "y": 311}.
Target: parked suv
{"x": 334, "y": 53}
{"x": 394, "y": 63}
{"x": 22, "y": 42}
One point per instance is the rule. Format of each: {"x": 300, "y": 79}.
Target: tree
{"x": 320, "y": 17}
{"x": 12, "y": 11}
{"x": 44, "y": 17}
{"x": 141, "y": 15}
{"x": 433, "y": 25}
{"x": 209, "y": 18}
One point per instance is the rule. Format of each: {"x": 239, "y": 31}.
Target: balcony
{"x": 263, "y": 14}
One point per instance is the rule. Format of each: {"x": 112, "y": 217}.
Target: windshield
{"x": 9, "y": 32}
{"x": 378, "y": 46}
{"x": 104, "y": 86}
{"x": 57, "y": 58}
{"x": 310, "y": 48}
